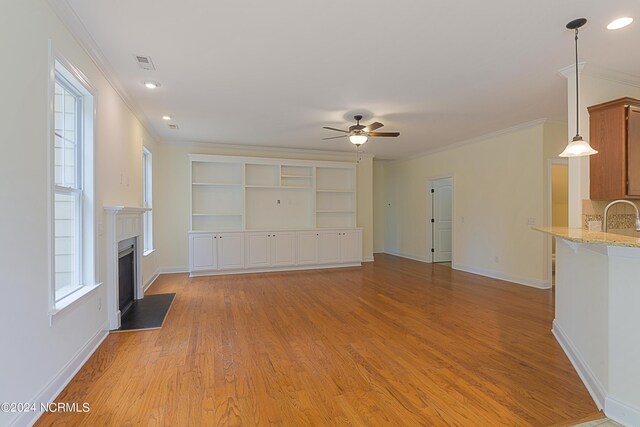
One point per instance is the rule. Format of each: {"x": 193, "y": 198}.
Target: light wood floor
{"x": 396, "y": 343}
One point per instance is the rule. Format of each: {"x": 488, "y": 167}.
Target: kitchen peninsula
{"x": 597, "y": 314}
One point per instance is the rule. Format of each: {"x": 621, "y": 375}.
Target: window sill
{"x": 148, "y": 252}
{"x": 69, "y": 300}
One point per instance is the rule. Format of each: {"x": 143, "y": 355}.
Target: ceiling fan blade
{"x": 334, "y": 137}
{"x": 339, "y": 130}
{"x": 373, "y": 126}
{"x": 392, "y": 134}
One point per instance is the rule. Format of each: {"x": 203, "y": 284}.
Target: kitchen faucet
{"x": 604, "y": 222}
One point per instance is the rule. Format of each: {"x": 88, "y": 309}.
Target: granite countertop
{"x": 629, "y": 238}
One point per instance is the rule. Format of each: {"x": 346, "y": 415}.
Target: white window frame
{"x": 147, "y": 200}
{"x": 75, "y": 191}
{"x": 86, "y": 240}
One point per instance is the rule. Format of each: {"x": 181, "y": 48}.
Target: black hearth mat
{"x": 147, "y": 313}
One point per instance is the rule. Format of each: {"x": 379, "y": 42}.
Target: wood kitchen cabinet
{"x": 614, "y": 130}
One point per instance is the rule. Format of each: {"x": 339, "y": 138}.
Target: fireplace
{"x": 124, "y": 227}
{"x": 126, "y": 274}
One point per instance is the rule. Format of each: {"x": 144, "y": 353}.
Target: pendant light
{"x": 578, "y": 147}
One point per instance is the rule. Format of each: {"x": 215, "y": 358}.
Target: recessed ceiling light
{"x": 616, "y": 24}
{"x": 167, "y": 117}
{"x": 151, "y": 85}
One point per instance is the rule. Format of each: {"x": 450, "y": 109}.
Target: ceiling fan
{"x": 359, "y": 134}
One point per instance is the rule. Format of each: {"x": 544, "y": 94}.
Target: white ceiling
{"x": 272, "y": 73}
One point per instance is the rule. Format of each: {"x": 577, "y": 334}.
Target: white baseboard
{"x": 50, "y": 391}
{"x": 594, "y": 387}
{"x": 368, "y": 259}
{"x": 621, "y": 412}
{"x": 170, "y": 270}
{"x": 150, "y": 282}
{"x": 405, "y": 255}
{"x": 527, "y": 281}
{"x": 272, "y": 269}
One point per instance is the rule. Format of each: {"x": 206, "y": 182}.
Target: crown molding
{"x": 244, "y": 147}
{"x": 70, "y": 19}
{"x": 570, "y": 70}
{"x": 474, "y": 140}
{"x": 600, "y": 72}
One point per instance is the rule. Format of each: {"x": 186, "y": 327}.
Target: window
{"x": 72, "y": 185}
{"x": 147, "y": 196}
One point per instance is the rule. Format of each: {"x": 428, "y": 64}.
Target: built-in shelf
{"x": 268, "y": 193}
{"x": 216, "y": 184}
{"x": 278, "y": 186}
{"x": 216, "y": 214}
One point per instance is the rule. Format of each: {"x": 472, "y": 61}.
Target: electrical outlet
{"x": 496, "y": 259}
{"x": 531, "y": 221}
{"x": 99, "y": 303}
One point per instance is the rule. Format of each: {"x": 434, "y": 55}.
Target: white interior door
{"x": 442, "y": 198}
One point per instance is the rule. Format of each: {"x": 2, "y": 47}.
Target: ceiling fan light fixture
{"x": 358, "y": 139}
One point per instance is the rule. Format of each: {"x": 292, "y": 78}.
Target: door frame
{"x": 429, "y": 215}
{"x": 549, "y": 219}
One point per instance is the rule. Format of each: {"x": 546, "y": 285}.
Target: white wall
{"x": 378, "y": 206}
{"x": 498, "y": 185}
{"x": 36, "y": 357}
{"x": 172, "y": 215}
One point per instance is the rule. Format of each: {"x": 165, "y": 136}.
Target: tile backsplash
{"x": 621, "y": 216}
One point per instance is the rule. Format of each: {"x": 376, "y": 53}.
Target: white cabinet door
{"x": 307, "y": 247}
{"x": 203, "y": 252}
{"x": 329, "y": 247}
{"x": 351, "y": 246}
{"x": 258, "y": 249}
{"x": 230, "y": 251}
{"x": 283, "y": 248}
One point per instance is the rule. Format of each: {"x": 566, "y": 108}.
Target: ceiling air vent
{"x": 172, "y": 126}
{"x": 145, "y": 62}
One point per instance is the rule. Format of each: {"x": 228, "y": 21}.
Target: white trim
{"x": 520, "y": 280}
{"x": 621, "y": 412}
{"x": 173, "y": 270}
{"x": 148, "y": 252}
{"x": 406, "y": 255}
{"x": 470, "y": 141}
{"x": 272, "y": 269}
{"x": 245, "y": 147}
{"x": 368, "y": 259}
{"x": 570, "y": 70}
{"x": 67, "y": 15}
{"x": 215, "y": 158}
{"x": 149, "y": 282}
{"x": 595, "y": 389}
{"x": 55, "y": 386}
{"x": 597, "y": 71}
{"x": 70, "y": 299}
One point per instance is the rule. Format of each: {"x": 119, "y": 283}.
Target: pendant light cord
{"x": 577, "y": 91}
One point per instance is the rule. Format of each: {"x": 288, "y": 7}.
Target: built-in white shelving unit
{"x": 241, "y": 193}
{"x": 282, "y": 206}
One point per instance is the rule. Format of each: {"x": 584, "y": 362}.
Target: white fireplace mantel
{"x": 122, "y": 223}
